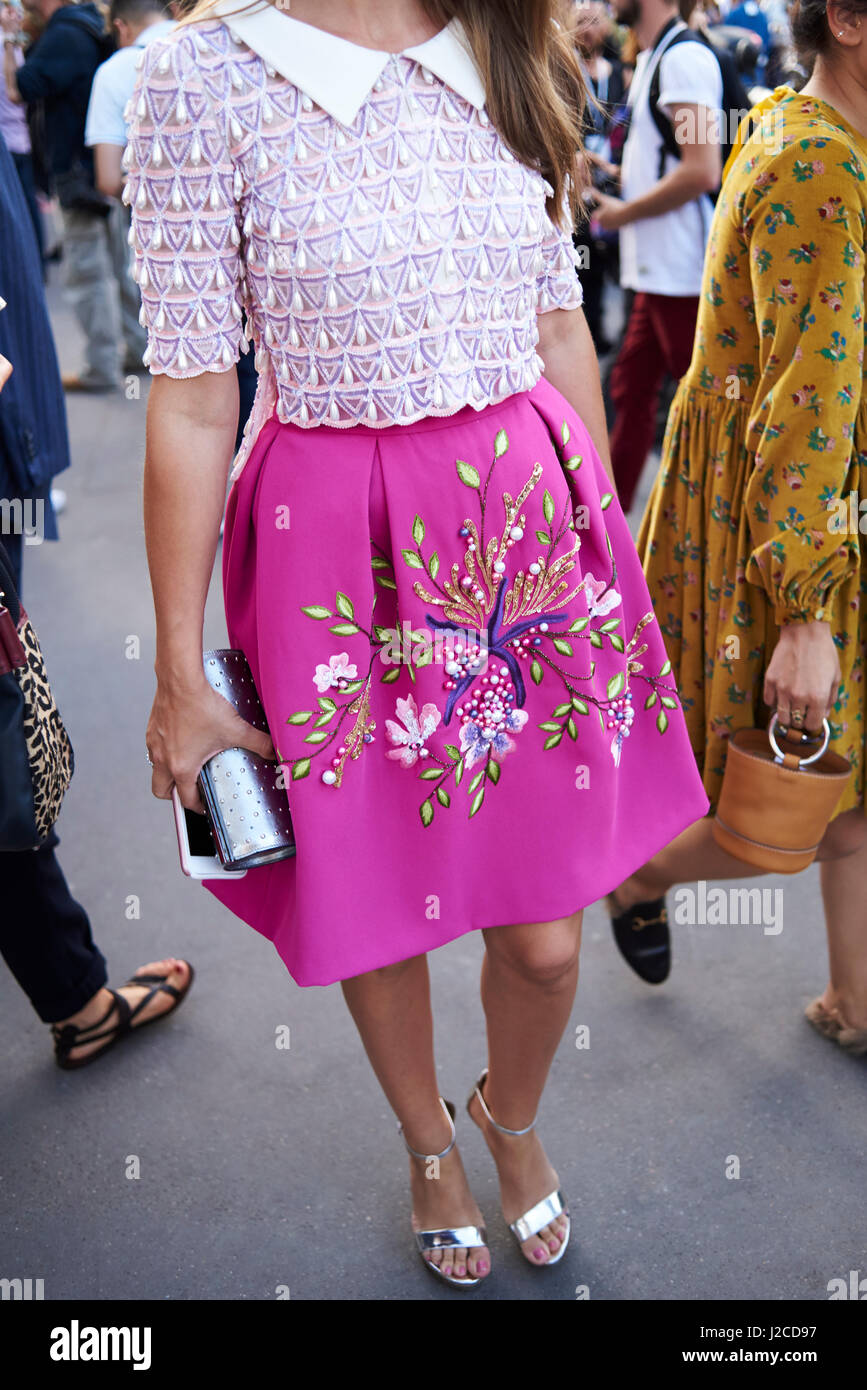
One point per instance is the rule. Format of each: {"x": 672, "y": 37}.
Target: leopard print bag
{"x": 32, "y": 739}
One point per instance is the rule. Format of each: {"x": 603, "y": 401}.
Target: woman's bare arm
{"x": 566, "y": 348}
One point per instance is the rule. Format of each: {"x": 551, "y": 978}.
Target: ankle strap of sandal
{"x": 450, "y": 1114}
{"x": 489, "y": 1117}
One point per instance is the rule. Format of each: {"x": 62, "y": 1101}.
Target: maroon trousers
{"x": 659, "y": 338}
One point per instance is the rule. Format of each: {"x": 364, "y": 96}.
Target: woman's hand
{"x": 188, "y": 725}
{"x": 803, "y": 675}
{"x": 5, "y": 370}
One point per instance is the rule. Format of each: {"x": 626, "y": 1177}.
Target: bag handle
{"x": 787, "y": 758}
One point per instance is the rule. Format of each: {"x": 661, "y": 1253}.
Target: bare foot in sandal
{"x": 104, "y": 1020}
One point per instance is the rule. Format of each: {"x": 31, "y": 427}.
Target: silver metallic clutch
{"x": 246, "y": 805}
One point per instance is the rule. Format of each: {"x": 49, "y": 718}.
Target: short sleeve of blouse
{"x": 185, "y": 234}
{"x": 557, "y": 283}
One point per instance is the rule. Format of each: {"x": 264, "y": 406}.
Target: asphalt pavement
{"x": 711, "y": 1144}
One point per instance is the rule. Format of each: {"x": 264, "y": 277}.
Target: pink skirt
{"x": 456, "y": 651}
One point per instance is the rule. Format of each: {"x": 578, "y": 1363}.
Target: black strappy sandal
{"x": 67, "y": 1038}
{"x": 643, "y": 938}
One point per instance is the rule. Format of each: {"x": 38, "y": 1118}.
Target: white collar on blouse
{"x": 339, "y": 75}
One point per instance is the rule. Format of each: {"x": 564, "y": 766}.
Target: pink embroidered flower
{"x": 338, "y": 669}
{"x": 600, "y": 602}
{"x": 410, "y": 740}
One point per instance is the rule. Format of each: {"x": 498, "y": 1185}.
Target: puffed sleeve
{"x": 557, "y": 283}
{"x": 185, "y": 234}
{"x": 805, "y": 226}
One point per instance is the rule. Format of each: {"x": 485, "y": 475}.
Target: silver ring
{"x": 148, "y": 757}
{"x": 802, "y": 762}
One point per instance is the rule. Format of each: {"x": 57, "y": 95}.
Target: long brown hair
{"x": 535, "y": 89}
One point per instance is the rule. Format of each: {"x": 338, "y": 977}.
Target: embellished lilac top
{"x": 388, "y": 250}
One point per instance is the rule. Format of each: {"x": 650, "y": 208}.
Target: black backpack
{"x": 735, "y": 101}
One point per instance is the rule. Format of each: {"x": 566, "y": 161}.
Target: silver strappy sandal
{"x": 460, "y": 1237}
{"x": 544, "y": 1212}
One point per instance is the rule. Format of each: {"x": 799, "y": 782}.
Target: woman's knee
{"x": 846, "y": 835}
{"x": 545, "y": 954}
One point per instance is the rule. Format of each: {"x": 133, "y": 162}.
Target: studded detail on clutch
{"x": 244, "y": 797}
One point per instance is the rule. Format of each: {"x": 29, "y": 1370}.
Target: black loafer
{"x": 643, "y": 938}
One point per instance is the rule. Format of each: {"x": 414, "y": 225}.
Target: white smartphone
{"x": 199, "y": 857}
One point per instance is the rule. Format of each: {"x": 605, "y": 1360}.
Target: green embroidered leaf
{"x": 601, "y": 720}
{"x": 666, "y": 668}
{"x": 579, "y": 625}
{"x": 548, "y": 507}
{"x": 316, "y": 737}
{"x": 477, "y": 801}
{"x": 550, "y": 726}
{"x": 443, "y": 797}
{"x": 543, "y": 538}
{"x": 385, "y": 581}
{"x": 606, "y": 500}
{"x": 430, "y": 774}
{"x": 302, "y": 717}
{"x": 353, "y": 687}
{"x": 453, "y": 750}
{"x": 418, "y": 530}
{"x": 596, "y": 640}
{"x": 610, "y": 625}
{"x": 383, "y": 634}
{"x": 562, "y": 646}
{"x": 300, "y": 769}
{"x": 459, "y": 772}
{"x": 580, "y": 705}
{"x": 553, "y": 740}
{"x": 567, "y": 434}
{"x": 608, "y": 545}
{"x": 379, "y": 563}
{"x": 326, "y": 705}
{"x": 617, "y": 642}
{"x": 477, "y": 780}
{"x": 426, "y": 657}
{"x": 615, "y": 685}
{"x": 535, "y": 672}
{"x": 668, "y": 702}
{"x": 412, "y": 560}
{"x": 467, "y": 473}
{"x": 574, "y": 462}
{"x": 662, "y": 721}
{"x": 426, "y": 811}
{"x": 315, "y": 610}
{"x": 561, "y": 710}
{"x": 493, "y": 771}
{"x": 324, "y": 719}
{"x": 572, "y": 728}
{"x": 344, "y": 629}
{"x": 501, "y": 444}
{"x": 651, "y": 700}
{"x": 343, "y": 604}
{"x": 391, "y": 676}
{"x": 434, "y": 565}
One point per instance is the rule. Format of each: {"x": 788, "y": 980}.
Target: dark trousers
{"x": 45, "y": 936}
{"x": 24, "y": 164}
{"x": 659, "y": 338}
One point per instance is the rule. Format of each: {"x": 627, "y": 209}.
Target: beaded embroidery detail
{"x": 389, "y": 270}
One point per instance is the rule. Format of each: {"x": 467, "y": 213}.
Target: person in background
{"x": 663, "y": 216}
{"x": 57, "y": 77}
{"x": 759, "y": 583}
{"x": 604, "y": 77}
{"x": 136, "y": 23}
{"x": 13, "y": 129}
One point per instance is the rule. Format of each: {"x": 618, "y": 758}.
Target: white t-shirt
{"x": 112, "y": 87}
{"x": 665, "y": 254}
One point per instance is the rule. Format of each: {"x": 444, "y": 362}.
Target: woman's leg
{"x": 694, "y": 855}
{"x": 392, "y": 1012}
{"x": 529, "y": 976}
{"x": 843, "y": 874}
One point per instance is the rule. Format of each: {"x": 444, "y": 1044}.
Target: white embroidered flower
{"x": 600, "y": 602}
{"x": 338, "y": 669}
{"x": 410, "y": 740}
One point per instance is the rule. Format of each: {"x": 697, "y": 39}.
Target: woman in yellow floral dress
{"x": 752, "y": 559}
